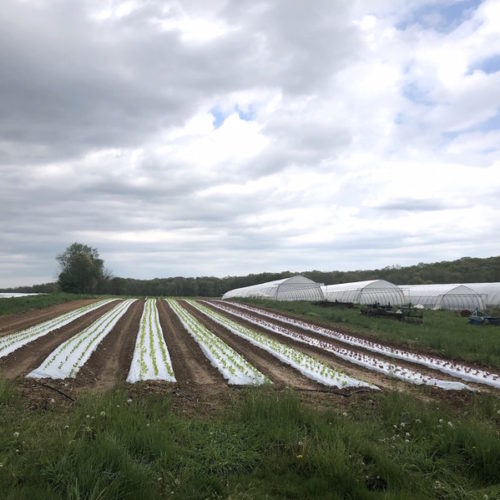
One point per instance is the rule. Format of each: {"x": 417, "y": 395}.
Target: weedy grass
{"x": 16, "y": 305}
{"x": 262, "y": 444}
{"x": 444, "y": 333}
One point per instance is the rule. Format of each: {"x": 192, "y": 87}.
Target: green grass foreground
{"x": 261, "y": 444}
{"x": 16, "y": 305}
{"x": 444, "y": 333}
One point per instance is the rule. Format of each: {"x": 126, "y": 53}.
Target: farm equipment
{"x": 335, "y": 303}
{"x": 406, "y": 313}
{"x": 482, "y": 318}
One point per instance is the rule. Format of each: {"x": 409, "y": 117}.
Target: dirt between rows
{"x": 346, "y": 330}
{"x": 279, "y": 373}
{"x": 110, "y": 362}
{"x": 31, "y": 355}
{"x": 200, "y": 386}
{"x": 189, "y": 363}
{"x": 322, "y": 356}
{"x": 349, "y": 368}
{"x": 17, "y": 322}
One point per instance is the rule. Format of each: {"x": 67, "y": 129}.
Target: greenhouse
{"x": 490, "y": 292}
{"x": 452, "y": 296}
{"x": 294, "y": 288}
{"x": 365, "y": 292}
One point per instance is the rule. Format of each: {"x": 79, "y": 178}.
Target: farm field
{"x": 239, "y": 372}
{"x": 92, "y": 344}
{"x": 444, "y": 333}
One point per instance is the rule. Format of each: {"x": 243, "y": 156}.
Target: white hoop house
{"x": 452, "y": 296}
{"x": 365, "y": 292}
{"x": 294, "y": 288}
{"x": 490, "y": 292}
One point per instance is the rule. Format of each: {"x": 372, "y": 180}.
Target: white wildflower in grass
{"x": 16, "y": 434}
{"x": 418, "y": 421}
{"x": 52, "y": 401}
{"x": 129, "y": 400}
{"x": 450, "y": 424}
{"x": 103, "y": 413}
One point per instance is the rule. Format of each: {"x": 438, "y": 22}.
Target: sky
{"x": 215, "y": 138}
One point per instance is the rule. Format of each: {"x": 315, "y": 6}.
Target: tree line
{"x": 83, "y": 271}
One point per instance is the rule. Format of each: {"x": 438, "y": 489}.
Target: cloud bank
{"x": 216, "y": 137}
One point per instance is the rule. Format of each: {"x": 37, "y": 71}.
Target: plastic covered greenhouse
{"x": 490, "y": 292}
{"x": 294, "y": 288}
{"x": 365, "y": 292}
{"x": 454, "y": 297}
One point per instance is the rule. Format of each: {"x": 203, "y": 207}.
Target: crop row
{"x": 233, "y": 367}
{"x": 14, "y": 341}
{"x": 67, "y": 359}
{"x": 307, "y": 365}
{"x": 371, "y": 363}
{"x": 151, "y": 360}
{"x": 449, "y": 367}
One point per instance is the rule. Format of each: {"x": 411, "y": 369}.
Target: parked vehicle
{"x": 481, "y": 318}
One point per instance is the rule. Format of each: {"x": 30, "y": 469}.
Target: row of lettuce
{"x": 151, "y": 358}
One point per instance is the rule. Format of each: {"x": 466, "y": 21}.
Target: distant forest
{"x": 465, "y": 270}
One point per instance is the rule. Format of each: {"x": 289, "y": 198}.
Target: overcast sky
{"x": 226, "y": 137}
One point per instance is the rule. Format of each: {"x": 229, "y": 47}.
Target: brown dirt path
{"x": 350, "y": 368}
{"x": 110, "y": 363}
{"x": 31, "y": 355}
{"x": 280, "y": 373}
{"x": 189, "y": 363}
{"x": 16, "y": 322}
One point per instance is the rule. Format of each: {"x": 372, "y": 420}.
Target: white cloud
{"x": 221, "y": 138}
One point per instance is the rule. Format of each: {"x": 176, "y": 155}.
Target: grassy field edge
{"x": 261, "y": 443}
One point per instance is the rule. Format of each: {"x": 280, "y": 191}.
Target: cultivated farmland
{"x": 181, "y": 398}
{"x": 210, "y": 343}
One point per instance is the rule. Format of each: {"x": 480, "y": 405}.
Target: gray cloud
{"x": 106, "y": 137}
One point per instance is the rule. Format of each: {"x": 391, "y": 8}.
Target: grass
{"x": 444, "y": 333}
{"x": 261, "y": 444}
{"x": 16, "y": 305}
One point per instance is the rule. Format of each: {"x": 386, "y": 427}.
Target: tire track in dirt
{"x": 110, "y": 363}
{"x": 31, "y": 355}
{"x": 280, "y": 373}
{"x": 189, "y": 363}
{"x": 16, "y": 322}
{"x": 363, "y": 373}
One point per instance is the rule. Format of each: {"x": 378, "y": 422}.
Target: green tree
{"x": 82, "y": 271}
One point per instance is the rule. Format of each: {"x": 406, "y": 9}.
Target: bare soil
{"x": 110, "y": 362}
{"x": 280, "y": 374}
{"x": 15, "y": 322}
{"x": 190, "y": 365}
{"x": 318, "y": 352}
{"x": 200, "y": 386}
{"x": 30, "y": 356}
